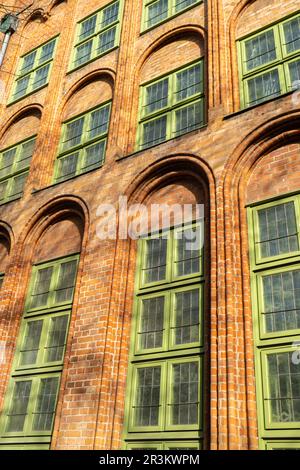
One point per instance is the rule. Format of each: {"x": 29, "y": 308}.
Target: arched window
{"x": 31, "y": 398}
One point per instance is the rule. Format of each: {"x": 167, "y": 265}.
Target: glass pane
{"x": 154, "y": 132}
{"x": 46, "y": 403}
{"x": 152, "y": 323}
{"x": 292, "y": 35}
{"x": 18, "y": 410}
{"x": 73, "y": 133}
{"x": 87, "y": 28}
{"x": 83, "y": 53}
{"x": 21, "y": 87}
{"x": 260, "y": 50}
{"x": 156, "y": 12}
{"x": 282, "y": 301}
{"x": 110, "y": 14}
{"x": 284, "y": 384}
{"x": 47, "y": 52}
{"x": 189, "y": 82}
{"x": 185, "y": 386}
{"x": 57, "y": 338}
{"x": 156, "y": 260}
{"x": 189, "y": 118}
{"x": 28, "y": 62}
{"x": 106, "y": 40}
{"x": 66, "y": 282}
{"x": 25, "y": 154}
{"x": 42, "y": 287}
{"x": 278, "y": 230}
{"x": 147, "y": 396}
{"x": 263, "y": 87}
{"x": 181, "y": 4}
{"x": 187, "y": 320}
{"x": 67, "y": 166}
{"x": 3, "y": 190}
{"x": 156, "y": 96}
{"x": 188, "y": 254}
{"x": 294, "y": 69}
{"x": 99, "y": 122}
{"x": 1, "y": 280}
{"x": 7, "y": 160}
{"x": 30, "y": 347}
{"x": 94, "y": 155}
{"x": 18, "y": 184}
{"x": 41, "y": 76}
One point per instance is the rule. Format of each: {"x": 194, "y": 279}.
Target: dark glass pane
{"x": 46, "y": 403}
{"x": 42, "y": 287}
{"x": 152, "y": 323}
{"x": 185, "y": 386}
{"x": 260, "y": 50}
{"x": 155, "y": 131}
{"x": 66, "y": 282}
{"x": 148, "y": 396}
{"x": 187, "y": 320}
{"x": 156, "y": 96}
{"x": 110, "y": 14}
{"x": 263, "y": 87}
{"x": 87, "y": 28}
{"x": 189, "y": 82}
{"x": 106, "y": 40}
{"x": 156, "y": 12}
{"x": 188, "y": 251}
{"x": 156, "y": 259}
{"x": 292, "y": 35}
{"x": 30, "y": 347}
{"x": 57, "y": 338}
{"x": 19, "y": 405}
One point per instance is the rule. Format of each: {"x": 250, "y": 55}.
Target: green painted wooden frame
{"x": 162, "y": 435}
{"x": 173, "y": 105}
{"x": 32, "y": 72}
{"x": 16, "y": 170}
{"x": 84, "y": 144}
{"x": 268, "y": 343}
{"x": 95, "y": 35}
{"x": 283, "y": 58}
{"x": 171, "y": 13}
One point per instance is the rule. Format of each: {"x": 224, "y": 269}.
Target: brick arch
{"x": 5, "y": 245}
{"x": 33, "y": 110}
{"x": 166, "y": 38}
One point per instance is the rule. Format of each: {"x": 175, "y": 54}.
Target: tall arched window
{"x": 29, "y": 409}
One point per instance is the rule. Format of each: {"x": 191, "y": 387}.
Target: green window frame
{"x": 269, "y": 62}
{"x": 283, "y": 445}
{"x": 275, "y": 286}
{"x": 156, "y": 12}
{"x": 34, "y": 70}
{"x": 165, "y": 402}
{"x": 171, "y": 105}
{"x": 97, "y": 34}
{"x": 14, "y": 169}
{"x": 83, "y": 143}
{"x": 31, "y": 398}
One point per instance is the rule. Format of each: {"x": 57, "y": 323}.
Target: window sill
{"x": 17, "y": 198}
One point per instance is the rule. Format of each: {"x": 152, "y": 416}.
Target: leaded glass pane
{"x": 19, "y": 405}
{"x": 7, "y": 160}
{"x": 28, "y": 62}
{"x": 83, "y": 53}
{"x": 94, "y": 155}
{"x": 156, "y": 12}
{"x": 189, "y": 82}
{"x": 68, "y": 166}
{"x": 110, "y": 14}
{"x": 187, "y": 319}
{"x": 284, "y": 385}
{"x": 294, "y": 69}
{"x": 282, "y": 301}
{"x": 73, "y": 133}
{"x": 152, "y": 323}
{"x": 47, "y": 52}
{"x": 106, "y": 40}
{"x": 30, "y": 347}
{"x": 188, "y": 251}
{"x": 21, "y": 87}
{"x": 57, "y": 338}
{"x": 185, "y": 388}
{"x": 260, "y": 50}
{"x": 292, "y": 35}
{"x": 156, "y": 260}
{"x": 17, "y": 186}
{"x": 66, "y": 281}
{"x": 154, "y": 131}
{"x": 156, "y": 96}
{"x": 46, "y": 403}
{"x": 42, "y": 287}
{"x": 99, "y": 122}
{"x": 147, "y": 396}
{"x": 278, "y": 230}
{"x": 3, "y": 190}
{"x": 182, "y": 4}
{"x": 263, "y": 87}
{"x": 189, "y": 118}
{"x": 25, "y": 154}
{"x": 41, "y": 76}
{"x": 87, "y": 28}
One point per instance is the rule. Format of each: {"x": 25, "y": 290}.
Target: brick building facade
{"x": 230, "y": 141}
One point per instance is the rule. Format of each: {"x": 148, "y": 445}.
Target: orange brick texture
{"x": 238, "y": 158}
